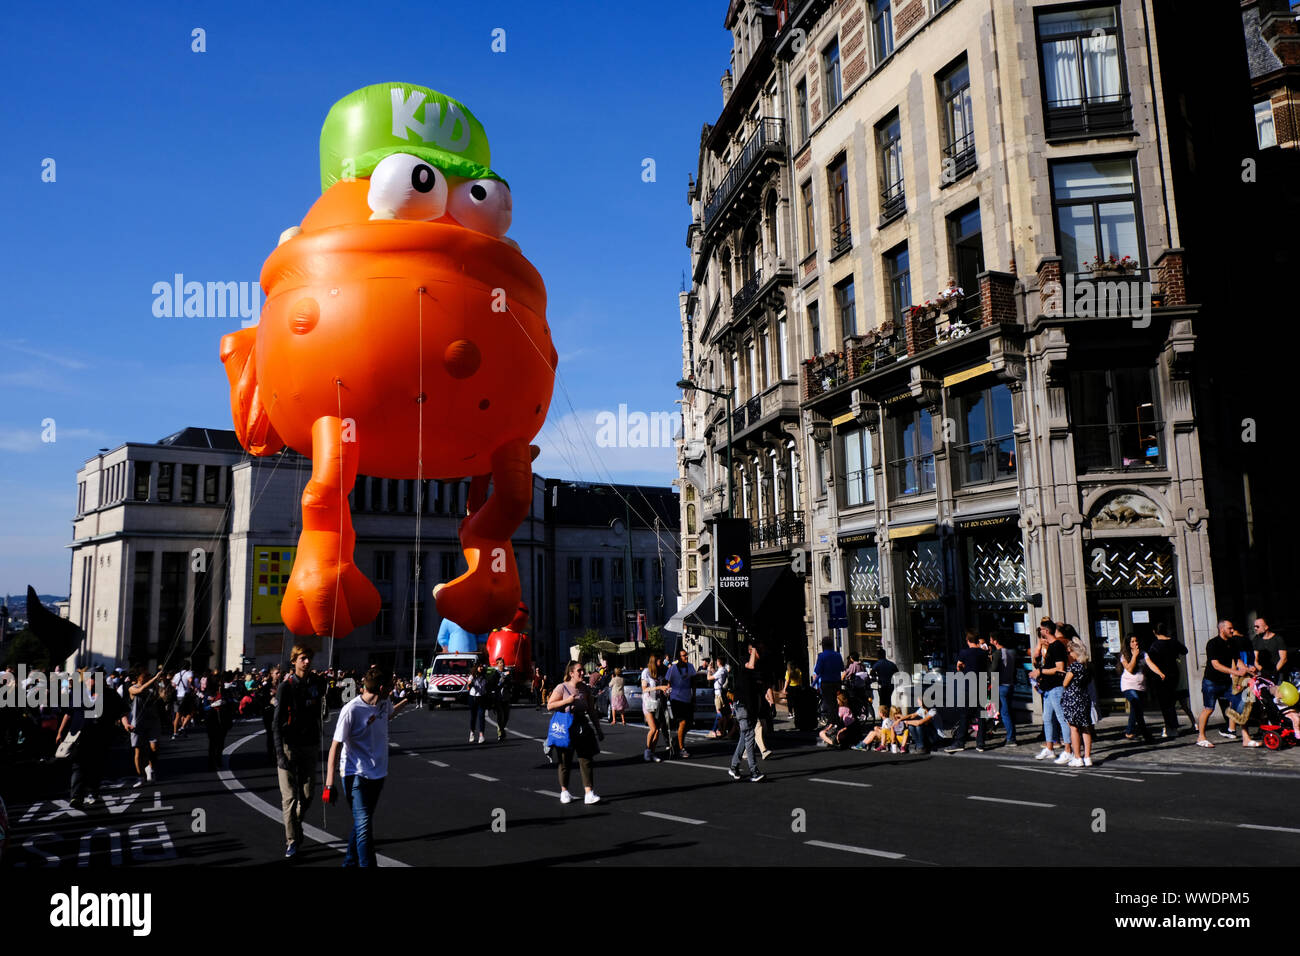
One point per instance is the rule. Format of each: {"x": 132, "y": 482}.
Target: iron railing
{"x": 745, "y": 294}
{"x": 769, "y": 134}
{"x": 959, "y": 158}
{"x": 1085, "y": 116}
{"x": 841, "y": 238}
{"x": 778, "y": 531}
{"x": 893, "y": 201}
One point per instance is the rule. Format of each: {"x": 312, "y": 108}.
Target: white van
{"x": 448, "y": 680}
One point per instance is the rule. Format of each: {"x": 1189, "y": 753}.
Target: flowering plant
{"x": 1111, "y": 263}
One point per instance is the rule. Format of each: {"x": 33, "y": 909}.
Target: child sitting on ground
{"x": 886, "y": 736}
{"x": 845, "y": 730}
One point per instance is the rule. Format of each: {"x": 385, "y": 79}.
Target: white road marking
{"x": 267, "y": 810}
{"x": 854, "y": 849}
{"x": 842, "y": 783}
{"x": 439, "y": 763}
{"x": 669, "y": 816}
{"x": 1054, "y": 773}
{"x": 1019, "y": 803}
{"x": 1256, "y": 826}
{"x": 540, "y": 740}
{"x": 483, "y": 776}
{"x": 554, "y": 794}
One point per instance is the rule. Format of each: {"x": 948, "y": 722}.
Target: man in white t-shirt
{"x": 362, "y": 735}
{"x": 186, "y": 703}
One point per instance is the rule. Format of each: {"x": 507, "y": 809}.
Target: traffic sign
{"x": 839, "y": 608}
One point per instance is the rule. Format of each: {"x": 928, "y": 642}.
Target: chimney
{"x": 726, "y": 87}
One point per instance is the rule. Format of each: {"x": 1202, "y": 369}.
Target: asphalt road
{"x": 449, "y": 802}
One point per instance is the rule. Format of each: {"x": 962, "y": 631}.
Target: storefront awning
{"x": 911, "y": 531}
{"x": 699, "y": 613}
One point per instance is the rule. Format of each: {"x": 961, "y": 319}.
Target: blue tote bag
{"x": 558, "y": 735}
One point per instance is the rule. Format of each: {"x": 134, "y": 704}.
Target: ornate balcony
{"x": 769, "y": 136}
{"x": 778, "y": 531}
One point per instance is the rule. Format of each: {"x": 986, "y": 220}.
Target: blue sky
{"x": 171, "y": 161}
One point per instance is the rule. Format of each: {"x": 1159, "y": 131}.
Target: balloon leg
{"x": 487, "y": 595}
{"x": 327, "y": 593}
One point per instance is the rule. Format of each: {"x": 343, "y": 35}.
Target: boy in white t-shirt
{"x": 362, "y": 736}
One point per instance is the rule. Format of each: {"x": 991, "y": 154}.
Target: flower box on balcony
{"x": 1112, "y": 266}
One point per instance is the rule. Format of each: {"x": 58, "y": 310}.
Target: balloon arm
{"x": 333, "y": 473}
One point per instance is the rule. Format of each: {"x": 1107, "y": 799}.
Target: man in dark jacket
{"x": 973, "y": 661}
{"x": 297, "y": 741}
{"x": 745, "y": 682}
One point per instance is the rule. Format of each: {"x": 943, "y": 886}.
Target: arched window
{"x": 690, "y": 519}
{"x": 773, "y": 246}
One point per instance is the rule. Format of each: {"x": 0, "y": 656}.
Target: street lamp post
{"x": 686, "y": 385}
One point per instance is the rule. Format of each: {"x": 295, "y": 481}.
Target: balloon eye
{"x": 403, "y": 186}
{"x": 483, "y": 205}
{"x": 422, "y": 178}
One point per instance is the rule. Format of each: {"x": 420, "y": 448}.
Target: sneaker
{"x": 893, "y": 748}
{"x": 148, "y": 772}
{"x": 684, "y": 754}
{"x": 566, "y": 797}
{"x": 859, "y": 746}
{"x": 90, "y": 799}
{"x": 138, "y": 783}
{"x": 592, "y": 797}
{"x": 656, "y": 758}
{"x": 1043, "y": 754}
{"x": 1075, "y": 762}
{"x": 480, "y": 737}
{"x": 757, "y": 777}
{"x": 1012, "y": 743}
{"x": 291, "y": 851}
{"x": 1064, "y": 758}
{"x": 979, "y": 750}
{"x": 731, "y": 772}
{"x": 471, "y": 736}
{"x": 1087, "y": 761}
{"x": 766, "y": 754}
{"x": 1227, "y": 736}
{"x": 646, "y": 755}
{"x": 953, "y": 750}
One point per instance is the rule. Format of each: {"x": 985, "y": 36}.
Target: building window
{"x": 1116, "y": 419}
{"x": 189, "y": 478}
{"x": 1264, "y": 131}
{"x": 889, "y": 151}
{"x": 171, "y": 595}
{"x": 899, "y": 276}
{"x": 987, "y": 449}
{"x": 958, "y": 122}
{"x": 142, "y": 469}
{"x": 801, "y": 110}
{"x": 782, "y": 349}
{"x": 657, "y": 570}
{"x": 847, "y": 308}
{"x": 809, "y": 222}
{"x": 449, "y": 565}
{"x": 692, "y": 579}
{"x": 638, "y": 570}
{"x": 617, "y": 605}
{"x": 597, "y": 570}
{"x": 166, "y": 470}
{"x": 814, "y": 329}
{"x": 384, "y": 566}
{"x": 575, "y": 614}
{"x": 841, "y": 237}
{"x": 966, "y": 251}
{"x": 384, "y": 621}
{"x": 1083, "y": 73}
{"x": 831, "y": 85}
{"x": 575, "y": 569}
{"x": 858, "y": 486}
{"x": 912, "y": 469}
{"x": 210, "y": 475}
{"x": 141, "y": 595}
{"x": 616, "y": 569}
{"x": 882, "y": 29}
{"x": 597, "y": 611}
{"x": 230, "y": 481}
{"x": 1096, "y": 212}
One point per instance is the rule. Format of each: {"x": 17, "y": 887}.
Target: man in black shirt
{"x": 971, "y": 660}
{"x": 1270, "y": 651}
{"x": 1221, "y": 665}
{"x": 297, "y": 741}
{"x": 1162, "y": 661}
{"x": 745, "y": 685}
{"x": 1051, "y": 681}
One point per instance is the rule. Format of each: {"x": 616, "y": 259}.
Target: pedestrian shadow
{"x": 624, "y": 848}
{"x": 478, "y": 828}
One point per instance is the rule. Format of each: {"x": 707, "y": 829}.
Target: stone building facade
{"x": 937, "y": 254}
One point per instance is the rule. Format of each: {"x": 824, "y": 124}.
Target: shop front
{"x": 862, "y": 572}
{"x": 993, "y": 559}
{"x": 1131, "y": 588}
{"x": 920, "y": 553}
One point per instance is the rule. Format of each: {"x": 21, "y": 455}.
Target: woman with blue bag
{"x": 571, "y": 731}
